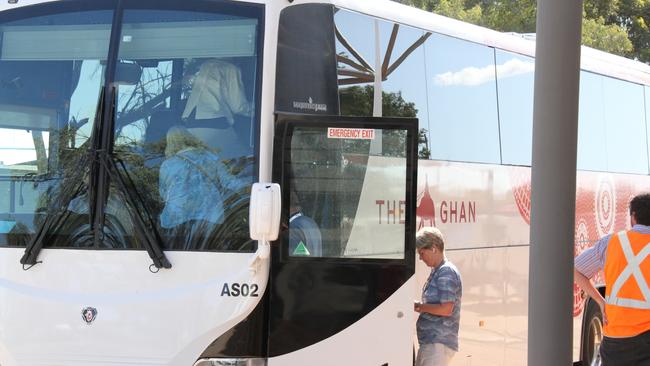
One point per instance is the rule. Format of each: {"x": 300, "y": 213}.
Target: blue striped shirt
{"x": 592, "y": 260}
{"x": 444, "y": 285}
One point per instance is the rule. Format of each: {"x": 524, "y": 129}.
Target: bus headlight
{"x": 231, "y": 362}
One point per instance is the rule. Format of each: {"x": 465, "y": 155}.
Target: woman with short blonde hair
{"x": 439, "y": 319}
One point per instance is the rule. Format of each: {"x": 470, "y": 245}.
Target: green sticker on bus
{"x": 301, "y": 249}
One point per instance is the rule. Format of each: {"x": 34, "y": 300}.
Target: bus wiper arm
{"x": 145, "y": 226}
{"x": 53, "y": 219}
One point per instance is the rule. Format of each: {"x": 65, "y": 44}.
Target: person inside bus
{"x": 217, "y": 96}
{"x": 439, "y": 320}
{"x": 626, "y": 308}
{"x": 193, "y": 183}
{"x": 217, "y": 92}
{"x": 304, "y": 235}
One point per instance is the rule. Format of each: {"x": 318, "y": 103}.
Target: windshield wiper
{"x": 101, "y": 162}
{"x": 58, "y": 210}
{"x": 148, "y": 234}
{"x": 69, "y": 189}
{"x": 143, "y": 221}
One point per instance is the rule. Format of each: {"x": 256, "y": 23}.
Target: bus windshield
{"x": 182, "y": 130}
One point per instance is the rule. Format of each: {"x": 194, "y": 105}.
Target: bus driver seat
{"x": 217, "y": 96}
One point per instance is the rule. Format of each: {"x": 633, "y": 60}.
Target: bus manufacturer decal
{"x": 89, "y": 314}
{"x": 310, "y": 106}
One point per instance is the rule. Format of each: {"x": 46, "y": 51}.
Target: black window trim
{"x": 284, "y": 124}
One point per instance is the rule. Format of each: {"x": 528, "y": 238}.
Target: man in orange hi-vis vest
{"x": 624, "y": 258}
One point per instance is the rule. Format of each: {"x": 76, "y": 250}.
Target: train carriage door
{"x": 342, "y": 269}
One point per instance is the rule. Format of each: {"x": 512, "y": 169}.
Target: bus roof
{"x": 592, "y": 60}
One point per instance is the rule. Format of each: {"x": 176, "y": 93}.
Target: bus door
{"x": 341, "y": 284}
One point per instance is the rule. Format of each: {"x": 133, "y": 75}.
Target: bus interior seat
{"x": 225, "y": 141}
{"x": 214, "y": 117}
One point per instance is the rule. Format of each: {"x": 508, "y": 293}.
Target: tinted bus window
{"x": 515, "y": 80}
{"x": 610, "y": 111}
{"x": 461, "y": 83}
{"x": 352, "y": 200}
{"x": 403, "y": 86}
{"x": 48, "y": 102}
{"x": 186, "y": 112}
{"x": 592, "y": 145}
{"x": 625, "y": 115}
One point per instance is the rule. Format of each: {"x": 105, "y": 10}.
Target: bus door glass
{"x": 342, "y": 268}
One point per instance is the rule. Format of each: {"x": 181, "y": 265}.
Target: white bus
{"x": 131, "y": 132}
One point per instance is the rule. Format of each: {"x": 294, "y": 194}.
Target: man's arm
{"x": 447, "y": 283}
{"x": 585, "y": 284}
{"x": 586, "y": 265}
{"x": 588, "y": 287}
{"x": 444, "y": 309}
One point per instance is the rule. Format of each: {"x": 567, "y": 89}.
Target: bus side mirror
{"x": 264, "y": 212}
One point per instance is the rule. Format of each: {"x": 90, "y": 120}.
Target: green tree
{"x": 456, "y": 9}
{"x": 634, "y": 16}
{"x": 607, "y": 37}
{"x": 358, "y": 101}
{"x": 615, "y": 26}
{"x": 510, "y": 15}
{"x": 594, "y": 9}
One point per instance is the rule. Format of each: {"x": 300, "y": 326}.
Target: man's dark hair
{"x": 640, "y": 207}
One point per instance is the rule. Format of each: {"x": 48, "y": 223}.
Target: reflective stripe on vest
{"x": 632, "y": 269}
